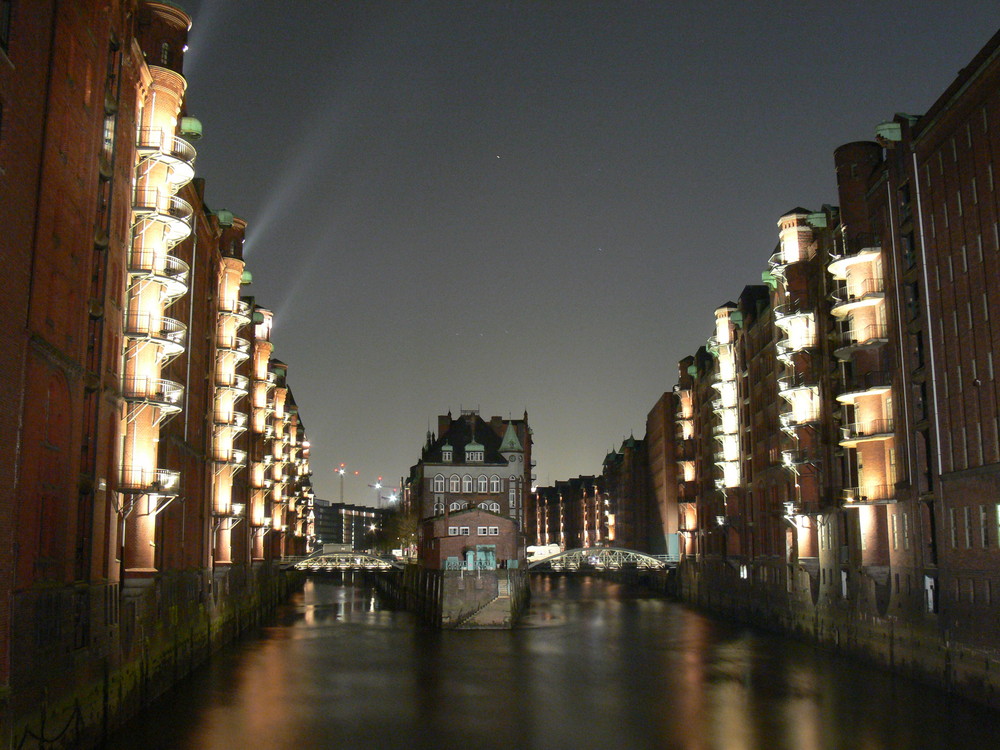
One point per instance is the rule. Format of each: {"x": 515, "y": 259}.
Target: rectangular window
{"x": 895, "y": 533}
{"x": 906, "y": 530}
{"x": 958, "y": 202}
{"x": 464, "y": 531}
{"x": 984, "y": 526}
{"x": 453, "y": 531}
{"x": 989, "y": 175}
{"x": 967, "y": 517}
{"x": 975, "y": 193}
{"x": 954, "y": 527}
{"x": 481, "y": 530}
{"x": 494, "y": 531}
{"x": 5, "y": 24}
{"x": 965, "y": 261}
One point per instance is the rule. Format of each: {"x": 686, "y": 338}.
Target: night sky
{"x": 522, "y": 206}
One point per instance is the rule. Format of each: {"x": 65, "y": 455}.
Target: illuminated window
{"x": 164, "y": 54}
{"x": 482, "y": 483}
{"x": 439, "y": 483}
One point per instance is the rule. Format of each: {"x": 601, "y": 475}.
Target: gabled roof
{"x": 467, "y": 433}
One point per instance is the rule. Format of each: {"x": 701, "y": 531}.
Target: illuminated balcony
{"x": 872, "y": 494}
{"x": 238, "y": 384}
{"x": 232, "y": 457}
{"x": 864, "y": 294}
{"x": 234, "y": 345}
{"x": 864, "y": 432}
{"x": 176, "y": 154}
{"x": 172, "y": 212}
{"x": 789, "y": 385}
{"x": 715, "y": 346}
{"x": 863, "y": 248}
{"x": 170, "y": 272}
{"x": 787, "y": 256}
{"x": 791, "y": 419}
{"x": 238, "y": 309}
{"x": 166, "y": 395}
{"x": 869, "y": 336}
{"x": 789, "y": 345}
{"x": 791, "y": 310}
{"x": 870, "y": 384}
{"x": 169, "y": 334}
{"x": 139, "y": 481}
{"x": 234, "y": 419}
{"x": 793, "y": 459}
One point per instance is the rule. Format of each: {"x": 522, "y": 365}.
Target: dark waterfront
{"x": 594, "y": 665}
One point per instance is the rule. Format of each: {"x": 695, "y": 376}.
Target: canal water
{"x": 593, "y": 665}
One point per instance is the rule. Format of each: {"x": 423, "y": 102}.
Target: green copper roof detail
{"x": 510, "y": 442}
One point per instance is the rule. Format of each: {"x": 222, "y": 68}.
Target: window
{"x": 439, "y": 483}
{"x": 466, "y": 483}
{"x": 482, "y": 484}
{"x": 453, "y": 531}
{"x": 495, "y": 507}
{"x": 438, "y": 508}
{"x": 895, "y": 533}
{"x": 481, "y": 530}
{"x": 967, "y": 517}
{"x": 954, "y": 527}
{"x": 164, "y": 54}
{"x": 464, "y": 531}
{"x": 494, "y": 531}
{"x": 984, "y": 526}
{"x": 454, "y": 483}
{"x": 5, "y": 24}
{"x": 446, "y": 455}
{"x": 494, "y": 483}
{"x": 455, "y": 506}
{"x": 474, "y": 456}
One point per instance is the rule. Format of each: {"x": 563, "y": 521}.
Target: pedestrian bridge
{"x": 334, "y": 561}
{"x": 601, "y": 558}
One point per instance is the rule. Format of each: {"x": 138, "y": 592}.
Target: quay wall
{"x": 88, "y": 658}
{"x": 917, "y": 648}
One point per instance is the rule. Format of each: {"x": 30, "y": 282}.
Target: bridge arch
{"x": 599, "y": 558}
{"x": 331, "y": 561}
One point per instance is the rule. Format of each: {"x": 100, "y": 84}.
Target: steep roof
{"x": 467, "y": 433}
{"x": 510, "y": 442}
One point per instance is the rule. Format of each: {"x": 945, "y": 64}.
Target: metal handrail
{"x": 156, "y": 390}
{"x": 156, "y": 139}
{"x": 870, "y": 428}
{"x": 141, "y": 480}
{"x": 156, "y": 327}
{"x": 159, "y": 265}
{"x": 153, "y": 200}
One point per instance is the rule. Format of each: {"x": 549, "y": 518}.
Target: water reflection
{"x": 595, "y": 665}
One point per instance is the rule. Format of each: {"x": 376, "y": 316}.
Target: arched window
{"x": 438, "y": 508}
{"x": 454, "y": 483}
{"x": 482, "y": 484}
{"x": 484, "y": 506}
{"x": 494, "y": 483}
{"x": 439, "y": 483}
{"x": 495, "y": 507}
{"x": 466, "y": 483}
{"x": 455, "y": 506}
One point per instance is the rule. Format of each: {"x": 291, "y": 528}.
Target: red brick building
{"x": 123, "y": 408}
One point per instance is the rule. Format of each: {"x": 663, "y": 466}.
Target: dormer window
{"x": 446, "y": 455}
{"x": 473, "y": 456}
